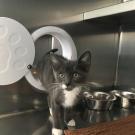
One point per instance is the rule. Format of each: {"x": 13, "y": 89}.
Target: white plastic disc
{"x": 67, "y": 44}
{"x": 17, "y": 51}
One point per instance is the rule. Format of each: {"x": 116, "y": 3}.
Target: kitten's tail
{"x": 52, "y": 51}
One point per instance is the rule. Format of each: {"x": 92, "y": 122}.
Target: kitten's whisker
{"x": 54, "y": 86}
{"x": 82, "y": 84}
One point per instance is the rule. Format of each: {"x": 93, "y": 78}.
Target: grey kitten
{"x": 63, "y": 80}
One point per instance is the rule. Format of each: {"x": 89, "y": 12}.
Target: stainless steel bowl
{"x": 125, "y": 99}
{"x": 101, "y": 101}
{"x": 95, "y": 116}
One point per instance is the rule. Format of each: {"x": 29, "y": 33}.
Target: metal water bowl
{"x": 101, "y": 101}
{"x": 125, "y": 99}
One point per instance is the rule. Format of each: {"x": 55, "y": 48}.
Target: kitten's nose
{"x": 67, "y": 84}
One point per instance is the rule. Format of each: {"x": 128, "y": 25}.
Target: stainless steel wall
{"x": 126, "y": 66}
{"x": 98, "y": 36}
{"x": 20, "y": 96}
{"x": 36, "y": 13}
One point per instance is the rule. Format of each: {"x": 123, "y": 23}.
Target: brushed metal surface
{"x": 126, "y": 67}
{"x": 24, "y": 124}
{"x": 34, "y": 13}
{"x": 20, "y": 96}
{"x": 110, "y": 10}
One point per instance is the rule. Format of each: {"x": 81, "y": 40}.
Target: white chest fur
{"x": 71, "y": 97}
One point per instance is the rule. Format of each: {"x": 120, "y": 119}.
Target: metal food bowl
{"x": 101, "y": 101}
{"x": 126, "y": 99}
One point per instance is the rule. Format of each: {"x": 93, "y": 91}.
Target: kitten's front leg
{"x": 69, "y": 116}
{"x": 58, "y": 119}
{"x": 56, "y": 131}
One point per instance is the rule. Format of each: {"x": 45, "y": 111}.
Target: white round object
{"x": 67, "y": 44}
{"x": 17, "y": 51}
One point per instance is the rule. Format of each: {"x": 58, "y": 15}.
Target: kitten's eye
{"x": 75, "y": 75}
{"x": 61, "y": 75}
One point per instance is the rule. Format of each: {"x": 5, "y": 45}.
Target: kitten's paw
{"x": 71, "y": 123}
{"x": 56, "y": 131}
{"x": 87, "y": 95}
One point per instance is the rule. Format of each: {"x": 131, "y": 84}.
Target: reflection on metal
{"x": 111, "y": 10}
{"x": 23, "y": 124}
{"x": 125, "y": 0}
{"x": 68, "y": 20}
{"x": 119, "y": 53}
{"x": 125, "y": 99}
{"x": 99, "y": 116}
{"x": 38, "y": 104}
{"x": 100, "y": 101}
{"x": 126, "y": 68}
{"x": 15, "y": 98}
{"x": 38, "y": 13}
{"x": 56, "y": 44}
{"x": 16, "y": 114}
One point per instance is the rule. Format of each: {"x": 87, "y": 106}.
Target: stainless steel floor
{"x": 35, "y": 123}
{"x": 25, "y": 124}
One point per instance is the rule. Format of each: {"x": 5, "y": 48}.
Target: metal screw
{"x": 29, "y": 66}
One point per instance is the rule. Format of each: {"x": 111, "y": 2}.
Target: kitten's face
{"x": 70, "y": 73}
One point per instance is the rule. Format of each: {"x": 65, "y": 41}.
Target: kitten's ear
{"x": 84, "y": 61}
